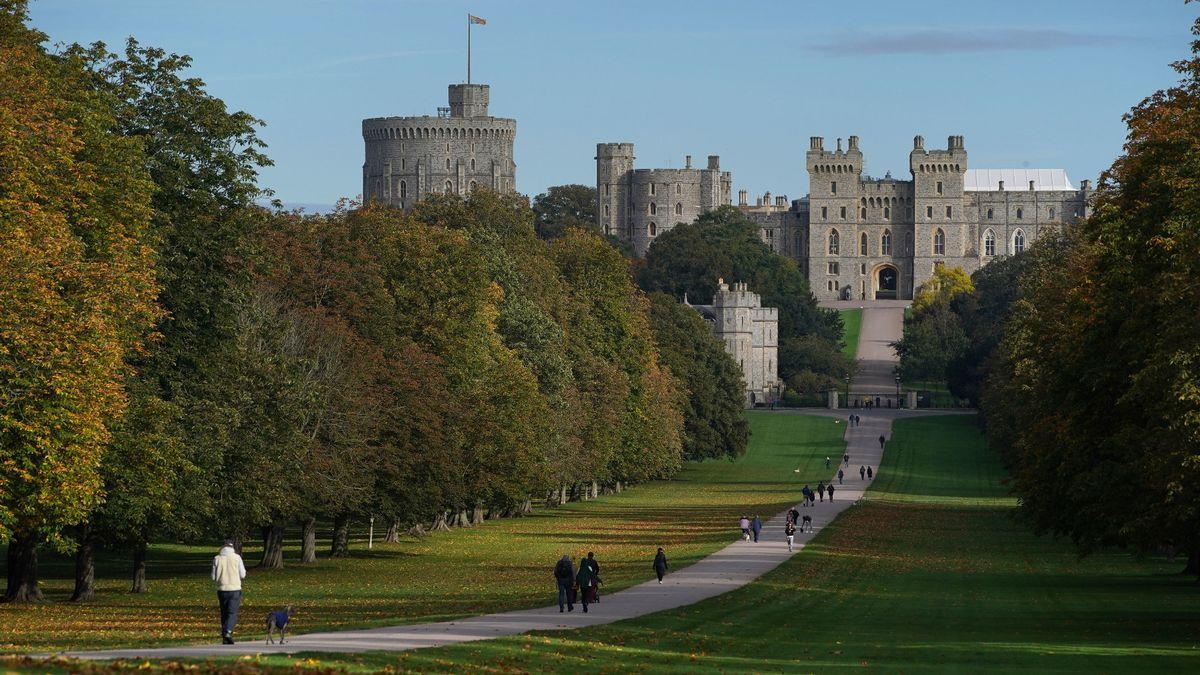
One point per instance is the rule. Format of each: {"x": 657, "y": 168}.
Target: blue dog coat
{"x": 281, "y": 618}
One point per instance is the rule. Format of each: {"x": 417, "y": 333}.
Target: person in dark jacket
{"x": 587, "y": 583}
{"x": 881, "y": 441}
{"x": 840, "y": 475}
{"x": 660, "y": 564}
{"x": 793, "y": 516}
{"x": 862, "y": 473}
{"x": 591, "y": 561}
{"x": 564, "y": 576}
{"x": 821, "y": 490}
{"x": 756, "y": 527}
{"x": 869, "y": 473}
{"x": 829, "y": 489}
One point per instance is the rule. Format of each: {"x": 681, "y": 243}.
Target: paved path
{"x": 732, "y": 567}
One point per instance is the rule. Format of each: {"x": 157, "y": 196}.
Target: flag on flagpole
{"x": 476, "y": 20}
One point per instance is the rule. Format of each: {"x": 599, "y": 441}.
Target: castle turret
{"x": 614, "y": 163}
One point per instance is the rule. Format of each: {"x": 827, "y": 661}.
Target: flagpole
{"x": 468, "y": 49}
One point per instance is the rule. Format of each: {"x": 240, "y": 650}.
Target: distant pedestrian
{"x": 881, "y": 440}
{"x": 564, "y": 577}
{"x": 591, "y": 560}
{"x": 846, "y": 459}
{"x": 857, "y": 420}
{"x": 821, "y": 490}
{"x": 660, "y": 564}
{"x": 793, "y": 515}
{"x": 827, "y": 463}
{"x": 862, "y": 473}
{"x": 587, "y": 583}
{"x": 789, "y": 531}
{"x": 830, "y": 490}
{"x": 806, "y": 493}
{"x": 744, "y": 523}
{"x": 850, "y": 421}
{"x": 228, "y": 570}
{"x": 756, "y": 527}
{"x": 869, "y": 474}
{"x": 840, "y": 474}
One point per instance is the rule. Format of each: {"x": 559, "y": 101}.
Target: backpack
{"x": 561, "y": 570}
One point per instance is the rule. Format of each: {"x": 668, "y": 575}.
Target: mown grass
{"x": 852, "y": 325}
{"x": 930, "y": 573}
{"x": 503, "y": 564}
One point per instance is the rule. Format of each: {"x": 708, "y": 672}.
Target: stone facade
{"x": 750, "y": 333}
{"x": 637, "y": 205}
{"x": 855, "y": 236}
{"x": 459, "y": 149}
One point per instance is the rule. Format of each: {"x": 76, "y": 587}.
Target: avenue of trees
{"x": 1083, "y": 353}
{"x": 178, "y": 363}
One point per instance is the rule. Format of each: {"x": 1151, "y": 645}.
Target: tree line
{"x": 1083, "y": 353}
{"x": 177, "y": 362}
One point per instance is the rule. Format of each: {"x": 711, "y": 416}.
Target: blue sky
{"x": 1028, "y": 83}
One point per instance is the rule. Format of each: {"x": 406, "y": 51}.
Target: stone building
{"x": 750, "y": 333}
{"x": 451, "y": 153}
{"x": 637, "y": 205}
{"x": 861, "y": 237}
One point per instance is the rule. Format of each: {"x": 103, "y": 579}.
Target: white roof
{"x": 988, "y": 180}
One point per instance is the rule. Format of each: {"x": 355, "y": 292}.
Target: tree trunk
{"x": 393, "y": 533}
{"x": 461, "y": 520}
{"x": 139, "y": 568}
{"x": 526, "y": 508}
{"x": 617, "y": 487}
{"x": 22, "y": 571}
{"x": 272, "y": 554}
{"x": 439, "y": 522}
{"x": 85, "y": 569}
{"x": 595, "y": 489}
{"x": 562, "y": 494}
{"x": 477, "y": 514}
{"x": 416, "y": 531}
{"x": 308, "y": 542}
{"x": 341, "y": 537}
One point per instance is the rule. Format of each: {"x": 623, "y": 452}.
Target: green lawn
{"x": 930, "y": 573}
{"x": 502, "y": 564}
{"x": 852, "y": 323}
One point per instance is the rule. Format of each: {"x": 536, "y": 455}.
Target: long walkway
{"x": 733, "y": 566}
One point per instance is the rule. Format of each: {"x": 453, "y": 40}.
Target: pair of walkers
{"x": 854, "y": 420}
{"x": 864, "y": 472}
{"x": 750, "y": 528}
{"x": 578, "y": 584}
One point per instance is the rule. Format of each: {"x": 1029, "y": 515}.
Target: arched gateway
{"x": 887, "y": 283}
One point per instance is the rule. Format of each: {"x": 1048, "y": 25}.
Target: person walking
{"x": 869, "y": 474}
{"x": 821, "y": 490}
{"x": 881, "y": 440}
{"x": 857, "y": 420}
{"x": 789, "y": 531}
{"x": 744, "y": 523}
{"x": 827, "y": 463}
{"x": 850, "y": 421}
{"x": 793, "y": 515}
{"x": 756, "y": 527}
{"x": 830, "y": 490}
{"x": 660, "y": 564}
{"x": 564, "y": 577}
{"x": 862, "y": 473}
{"x": 591, "y": 561}
{"x": 587, "y": 583}
{"x": 228, "y": 570}
{"x": 846, "y": 459}
{"x": 840, "y": 474}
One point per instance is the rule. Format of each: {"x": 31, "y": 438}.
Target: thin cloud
{"x": 965, "y": 41}
{"x": 313, "y": 70}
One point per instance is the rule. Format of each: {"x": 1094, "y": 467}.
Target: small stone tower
{"x": 940, "y": 223}
{"x": 452, "y": 153}
{"x": 614, "y": 163}
{"x": 834, "y": 185}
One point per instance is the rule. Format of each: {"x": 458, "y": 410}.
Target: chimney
{"x": 1031, "y": 186}
{"x": 839, "y": 145}
{"x": 918, "y": 142}
{"x": 742, "y": 194}
{"x": 1085, "y": 184}
{"x": 816, "y": 143}
{"x": 687, "y": 161}
{"x": 781, "y": 202}
{"x": 714, "y": 162}
{"x": 854, "y": 142}
{"x": 1002, "y": 186}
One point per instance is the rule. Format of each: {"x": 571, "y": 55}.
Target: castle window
{"x": 948, "y": 211}
{"x": 928, "y": 211}
{"x": 652, "y": 230}
{"x": 1018, "y": 241}
{"x": 403, "y": 190}
{"x": 864, "y": 214}
{"x": 652, "y": 191}
{"x": 939, "y": 187}
{"x": 606, "y": 210}
{"x": 833, "y": 242}
{"x": 447, "y": 163}
{"x": 885, "y": 243}
{"x": 824, "y": 213}
{"x": 989, "y": 214}
{"x": 679, "y": 209}
{"x": 887, "y": 213}
{"x": 1019, "y": 214}
{"x": 989, "y": 243}
{"x": 833, "y": 268}
{"x": 833, "y": 187}
{"x": 864, "y": 201}
{"x": 472, "y": 163}
{"x": 402, "y": 162}
{"x": 1051, "y": 213}
{"x": 939, "y": 242}
{"x": 843, "y": 213}
{"x": 862, "y": 244}
{"x": 678, "y": 189}
{"x": 449, "y": 187}
{"x": 862, "y": 269}
{"x": 653, "y": 209}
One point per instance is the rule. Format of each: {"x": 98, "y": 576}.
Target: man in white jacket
{"x": 227, "y": 573}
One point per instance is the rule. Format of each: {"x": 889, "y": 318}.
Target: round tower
{"x": 614, "y": 163}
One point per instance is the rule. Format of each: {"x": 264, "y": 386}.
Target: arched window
{"x": 679, "y": 208}
{"x": 1018, "y": 241}
{"x": 939, "y": 242}
{"x": 1051, "y": 213}
{"x": 652, "y": 230}
{"x": 989, "y": 214}
{"x": 862, "y": 244}
{"x": 1020, "y": 213}
{"x": 989, "y": 243}
{"x": 678, "y": 189}
{"x": 887, "y": 213}
{"x": 653, "y": 209}
{"x": 833, "y": 242}
{"x": 447, "y": 163}
{"x": 606, "y": 210}
{"x": 885, "y": 243}
{"x": 864, "y": 214}
{"x": 472, "y": 164}
{"x": 449, "y": 188}
{"x": 403, "y": 190}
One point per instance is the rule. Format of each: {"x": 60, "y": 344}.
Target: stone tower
{"x": 834, "y": 187}
{"x": 454, "y": 152}
{"x": 940, "y": 230}
{"x": 614, "y": 163}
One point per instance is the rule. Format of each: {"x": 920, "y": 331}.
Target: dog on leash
{"x": 806, "y": 521}
{"x": 278, "y": 621}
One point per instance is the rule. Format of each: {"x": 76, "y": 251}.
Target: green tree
{"x": 562, "y": 207}
{"x": 945, "y": 285}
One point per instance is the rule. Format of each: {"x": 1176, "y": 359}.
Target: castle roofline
{"x": 434, "y": 118}
{"x": 988, "y": 180}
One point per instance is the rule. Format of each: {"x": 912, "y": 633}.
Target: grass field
{"x": 502, "y": 564}
{"x": 852, "y": 323}
{"x": 930, "y": 573}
